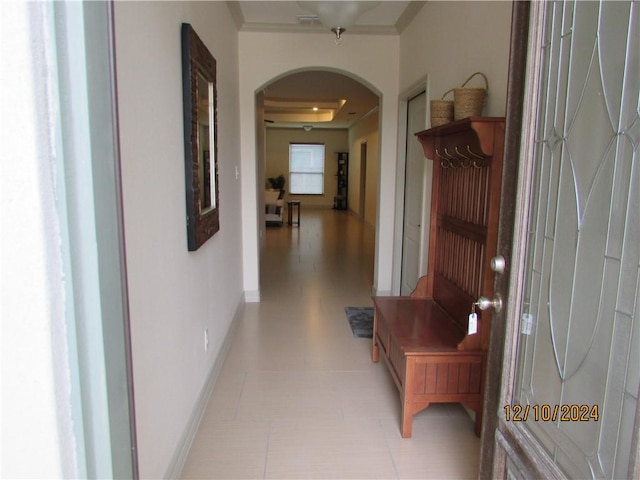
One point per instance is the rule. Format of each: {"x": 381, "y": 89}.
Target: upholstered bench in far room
{"x": 273, "y": 206}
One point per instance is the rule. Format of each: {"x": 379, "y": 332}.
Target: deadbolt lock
{"x": 498, "y": 264}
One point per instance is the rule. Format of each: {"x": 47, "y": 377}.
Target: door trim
{"x": 508, "y": 209}
{"x": 417, "y": 88}
{"x": 510, "y": 444}
{"x": 91, "y": 205}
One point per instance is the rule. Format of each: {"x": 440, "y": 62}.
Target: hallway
{"x": 298, "y": 395}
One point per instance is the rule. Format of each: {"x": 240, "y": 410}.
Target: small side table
{"x": 290, "y": 205}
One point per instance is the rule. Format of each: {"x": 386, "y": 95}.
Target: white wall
{"x": 374, "y": 61}
{"x": 451, "y": 40}
{"x": 444, "y": 44}
{"x": 174, "y": 294}
{"x": 278, "y": 140}
{"x": 365, "y": 131}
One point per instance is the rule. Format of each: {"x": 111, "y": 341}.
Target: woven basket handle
{"x": 477, "y": 73}
{"x": 446, "y": 93}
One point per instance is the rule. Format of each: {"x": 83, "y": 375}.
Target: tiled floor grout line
{"x": 266, "y": 451}
{"x": 244, "y": 381}
{"x": 386, "y": 442}
{"x": 305, "y": 390}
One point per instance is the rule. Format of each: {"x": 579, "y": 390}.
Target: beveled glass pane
{"x": 582, "y": 283}
{"x": 610, "y": 41}
{"x": 585, "y": 24}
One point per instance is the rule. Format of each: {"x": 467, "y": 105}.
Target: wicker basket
{"x": 469, "y": 102}
{"x": 441, "y": 111}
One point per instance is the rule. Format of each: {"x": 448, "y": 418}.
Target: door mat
{"x": 361, "y": 321}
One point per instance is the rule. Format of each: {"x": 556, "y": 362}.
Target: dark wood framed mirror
{"x": 200, "y": 139}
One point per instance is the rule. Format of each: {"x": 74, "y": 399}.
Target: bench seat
{"x": 419, "y": 342}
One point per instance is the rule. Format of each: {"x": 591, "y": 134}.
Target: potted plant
{"x": 278, "y": 183}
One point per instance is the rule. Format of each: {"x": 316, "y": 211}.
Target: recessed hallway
{"x": 298, "y": 395}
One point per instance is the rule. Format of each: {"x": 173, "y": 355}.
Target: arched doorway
{"x": 373, "y": 61}
{"x": 327, "y": 107}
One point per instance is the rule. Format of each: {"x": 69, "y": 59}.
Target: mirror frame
{"x": 196, "y": 59}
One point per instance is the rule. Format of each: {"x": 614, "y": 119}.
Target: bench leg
{"x": 407, "y": 420}
{"x": 375, "y": 349}
{"x": 478, "y": 425}
{"x": 407, "y": 396}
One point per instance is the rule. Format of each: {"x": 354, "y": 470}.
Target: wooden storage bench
{"x": 424, "y": 337}
{"x": 419, "y": 342}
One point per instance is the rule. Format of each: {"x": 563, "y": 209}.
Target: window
{"x": 306, "y": 168}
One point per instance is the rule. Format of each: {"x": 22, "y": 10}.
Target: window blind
{"x": 306, "y": 168}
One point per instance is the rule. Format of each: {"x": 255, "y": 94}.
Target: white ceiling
{"x": 289, "y": 100}
{"x": 387, "y": 17}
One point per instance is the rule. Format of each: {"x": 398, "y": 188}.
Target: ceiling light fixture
{"x": 338, "y": 16}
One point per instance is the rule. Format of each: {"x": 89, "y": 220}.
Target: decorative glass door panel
{"x": 578, "y": 352}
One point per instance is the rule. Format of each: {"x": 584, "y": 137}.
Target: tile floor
{"x": 298, "y": 395}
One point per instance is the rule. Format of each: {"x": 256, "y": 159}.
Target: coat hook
{"x": 455, "y": 163}
{"x": 477, "y": 157}
{"x": 480, "y": 157}
{"x": 464, "y": 164}
{"x": 445, "y": 162}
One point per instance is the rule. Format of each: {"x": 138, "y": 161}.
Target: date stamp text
{"x": 551, "y": 413}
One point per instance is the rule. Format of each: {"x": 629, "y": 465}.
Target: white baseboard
{"x": 252, "y": 296}
{"x": 470, "y": 412}
{"x": 182, "y": 451}
{"x": 381, "y": 293}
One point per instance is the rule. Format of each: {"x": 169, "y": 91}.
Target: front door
{"x": 567, "y": 403}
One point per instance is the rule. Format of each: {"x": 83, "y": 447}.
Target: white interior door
{"x": 569, "y": 404}
{"x": 417, "y": 189}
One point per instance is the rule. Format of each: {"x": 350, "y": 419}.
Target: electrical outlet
{"x": 206, "y": 339}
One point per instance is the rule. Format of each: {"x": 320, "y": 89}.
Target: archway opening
{"x": 321, "y": 107}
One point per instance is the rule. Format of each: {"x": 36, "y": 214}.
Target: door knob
{"x": 485, "y": 303}
{"x": 498, "y": 264}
